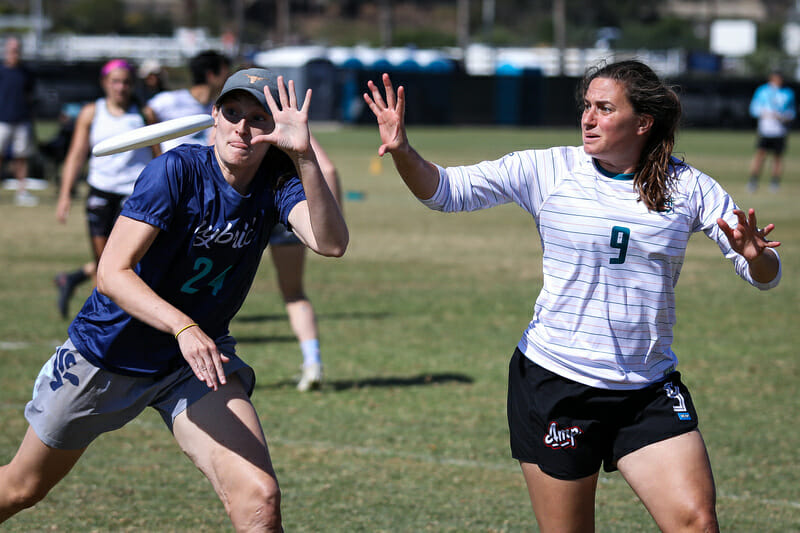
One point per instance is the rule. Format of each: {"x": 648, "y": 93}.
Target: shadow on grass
{"x": 352, "y": 315}
{"x": 255, "y": 339}
{"x": 389, "y": 381}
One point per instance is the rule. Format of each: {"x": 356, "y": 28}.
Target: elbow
{"x": 103, "y": 279}
{"x": 337, "y": 248}
{"x": 102, "y": 283}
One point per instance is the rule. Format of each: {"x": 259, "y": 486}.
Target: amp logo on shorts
{"x": 63, "y": 361}
{"x": 561, "y": 438}
{"x": 680, "y": 403}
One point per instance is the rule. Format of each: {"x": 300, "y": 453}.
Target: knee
{"x": 702, "y": 519}
{"x": 22, "y": 496}
{"x": 258, "y": 508}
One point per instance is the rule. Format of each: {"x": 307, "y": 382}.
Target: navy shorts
{"x": 102, "y": 210}
{"x": 777, "y": 145}
{"x": 569, "y": 429}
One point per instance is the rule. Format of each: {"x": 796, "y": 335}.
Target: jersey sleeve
{"x": 711, "y": 202}
{"x": 287, "y": 196}
{"x": 157, "y": 192}
{"x": 520, "y": 177}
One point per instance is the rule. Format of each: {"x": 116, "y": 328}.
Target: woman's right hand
{"x": 62, "y": 209}
{"x": 390, "y": 115}
{"x": 203, "y": 356}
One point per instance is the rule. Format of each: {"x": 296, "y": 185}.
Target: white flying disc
{"x": 152, "y": 134}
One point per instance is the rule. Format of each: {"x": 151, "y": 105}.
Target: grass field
{"x": 418, "y": 321}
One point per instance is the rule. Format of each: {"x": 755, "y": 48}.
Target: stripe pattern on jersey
{"x": 605, "y": 314}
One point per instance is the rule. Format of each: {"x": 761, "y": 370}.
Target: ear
{"x": 645, "y": 124}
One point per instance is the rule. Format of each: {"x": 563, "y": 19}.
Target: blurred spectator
{"x": 54, "y": 150}
{"x": 16, "y": 117}
{"x": 209, "y": 70}
{"x": 153, "y": 79}
{"x": 773, "y": 106}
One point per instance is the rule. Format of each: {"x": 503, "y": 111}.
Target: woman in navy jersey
{"x": 592, "y": 381}
{"x": 177, "y": 267}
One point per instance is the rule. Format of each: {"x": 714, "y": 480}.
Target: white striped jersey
{"x": 605, "y": 314}
{"x": 115, "y": 173}
{"x": 168, "y": 105}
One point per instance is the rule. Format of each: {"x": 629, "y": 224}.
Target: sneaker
{"x": 774, "y": 187}
{"x": 752, "y": 186}
{"x": 26, "y": 199}
{"x": 65, "y": 286}
{"x": 311, "y": 378}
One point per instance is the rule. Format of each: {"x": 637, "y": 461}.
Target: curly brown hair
{"x": 648, "y": 95}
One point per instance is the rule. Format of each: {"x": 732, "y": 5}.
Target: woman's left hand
{"x": 747, "y": 239}
{"x": 291, "y": 122}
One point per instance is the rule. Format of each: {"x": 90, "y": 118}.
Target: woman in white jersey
{"x": 592, "y": 381}
{"x": 209, "y": 70}
{"x": 110, "y": 178}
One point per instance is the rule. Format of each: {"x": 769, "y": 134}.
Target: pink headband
{"x": 114, "y": 64}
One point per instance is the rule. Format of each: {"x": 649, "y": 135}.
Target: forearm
{"x": 420, "y": 176}
{"x": 329, "y": 172}
{"x": 327, "y": 223}
{"x": 137, "y": 299}
{"x": 69, "y": 175}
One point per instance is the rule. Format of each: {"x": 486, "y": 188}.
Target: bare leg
{"x": 24, "y": 197}
{"x": 222, "y": 435}
{"x": 289, "y": 263}
{"x": 777, "y": 170}
{"x": 34, "y": 470}
{"x": 98, "y": 244}
{"x": 562, "y": 506}
{"x": 674, "y": 481}
{"x": 20, "y": 172}
{"x": 757, "y": 162}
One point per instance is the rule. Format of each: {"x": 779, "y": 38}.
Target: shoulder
{"x": 176, "y": 170}
{"x": 164, "y": 98}
{"x": 690, "y": 180}
{"x": 192, "y": 156}
{"x": 565, "y": 158}
{"x": 86, "y": 114}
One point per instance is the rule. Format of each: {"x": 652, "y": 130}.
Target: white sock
{"x": 310, "y": 349}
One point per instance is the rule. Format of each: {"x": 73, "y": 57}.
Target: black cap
{"x": 252, "y": 80}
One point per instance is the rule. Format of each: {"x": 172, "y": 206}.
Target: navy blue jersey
{"x": 16, "y": 88}
{"x": 203, "y": 260}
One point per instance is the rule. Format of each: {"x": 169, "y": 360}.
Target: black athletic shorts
{"x": 102, "y": 210}
{"x": 777, "y": 145}
{"x": 569, "y": 429}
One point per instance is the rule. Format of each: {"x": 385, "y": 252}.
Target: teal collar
{"x": 612, "y": 175}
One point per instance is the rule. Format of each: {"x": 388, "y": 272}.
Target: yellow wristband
{"x": 184, "y": 328}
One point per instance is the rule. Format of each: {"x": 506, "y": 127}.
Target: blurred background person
{"x": 773, "y": 105}
{"x": 152, "y": 79}
{"x": 16, "y": 117}
{"x": 110, "y": 178}
{"x": 209, "y": 70}
{"x": 288, "y": 255}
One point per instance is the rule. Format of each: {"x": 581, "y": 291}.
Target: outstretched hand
{"x": 291, "y": 122}
{"x": 390, "y": 114}
{"x": 747, "y": 239}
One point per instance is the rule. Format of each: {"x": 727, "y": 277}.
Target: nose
{"x": 588, "y": 117}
